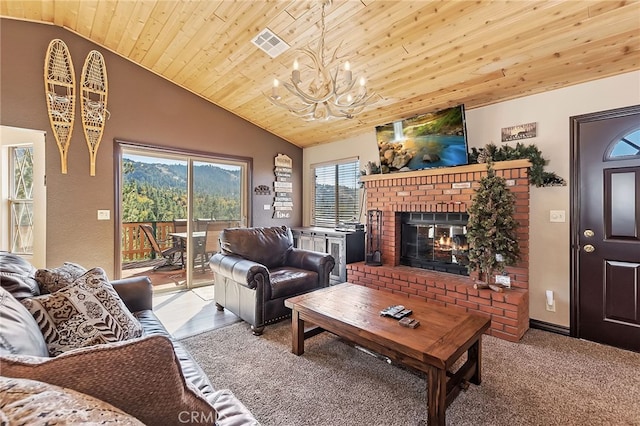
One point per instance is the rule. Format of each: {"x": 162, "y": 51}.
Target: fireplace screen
{"x": 435, "y": 241}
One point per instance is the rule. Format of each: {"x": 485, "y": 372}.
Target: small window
{"x": 335, "y": 193}
{"x": 627, "y": 146}
{"x": 21, "y": 199}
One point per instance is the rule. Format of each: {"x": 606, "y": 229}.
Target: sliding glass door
{"x": 173, "y": 206}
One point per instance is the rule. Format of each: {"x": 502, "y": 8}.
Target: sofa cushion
{"x": 87, "y": 312}
{"x": 287, "y": 281}
{"x": 52, "y": 280}
{"x": 26, "y": 401}
{"x": 17, "y": 276}
{"x": 140, "y": 376}
{"x": 267, "y": 246}
{"x": 19, "y": 333}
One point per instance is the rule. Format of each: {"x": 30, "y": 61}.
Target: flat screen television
{"x": 435, "y": 139}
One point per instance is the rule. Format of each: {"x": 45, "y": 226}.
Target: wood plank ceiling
{"x": 419, "y": 56}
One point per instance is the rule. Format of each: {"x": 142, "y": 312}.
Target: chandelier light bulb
{"x": 274, "y": 90}
{"x": 295, "y": 74}
{"x": 347, "y": 72}
{"x": 363, "y": 82}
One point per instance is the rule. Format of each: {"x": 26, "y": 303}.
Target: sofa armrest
{"x": 243, "y": 271}
{"x": 322, "y": 263}
{"x": 135, "y": 292}
{"x": 141, "y": 376}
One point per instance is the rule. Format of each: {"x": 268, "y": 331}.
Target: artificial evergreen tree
{"x": 492, "y": 228}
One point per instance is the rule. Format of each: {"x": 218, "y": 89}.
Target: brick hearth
{"x": 447, "y": 190}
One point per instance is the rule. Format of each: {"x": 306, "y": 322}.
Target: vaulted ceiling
{"x": 419, "y": 56}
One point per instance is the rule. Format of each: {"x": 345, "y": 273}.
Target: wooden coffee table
{"x": 352, "y": 312}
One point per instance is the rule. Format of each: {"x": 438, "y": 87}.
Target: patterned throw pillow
{"x": 87, "y": 312}
{"x": 17, "y": 276}
{"x": 52, "y": 280}
{"x": 19, "y": 333}
{"x": 26, "y": 401}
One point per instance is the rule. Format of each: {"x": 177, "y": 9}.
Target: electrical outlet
{"x": 550, "y": 301}
{"x": 557, "y": 216}
{"x": 505, "y": 280}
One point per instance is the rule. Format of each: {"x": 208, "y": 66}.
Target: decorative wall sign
{"x": 283, "y": 162}
{"x": 93, "y": 99}
{"x": 283, "y": 187}
{"x": 281, "y": 215}
{"x": 60, "y": 92}
{"x": 262, "y": 190}
{"x": 522, "y": 131}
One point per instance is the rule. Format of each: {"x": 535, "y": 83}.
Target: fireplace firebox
{"x": 435, "y": 241}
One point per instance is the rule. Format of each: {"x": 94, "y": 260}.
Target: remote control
{"x": 409, "y": 322}
{"x": 403, "y": 313}
{"x": 391, "y": 311}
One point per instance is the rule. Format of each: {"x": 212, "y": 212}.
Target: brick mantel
{"x": 448, "y": 190}
{"x": 470, "y": 168}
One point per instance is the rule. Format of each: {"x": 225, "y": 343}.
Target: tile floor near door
{"x": 188, "y": 312}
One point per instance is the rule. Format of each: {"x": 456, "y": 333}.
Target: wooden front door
{"x": 606, "y": 227}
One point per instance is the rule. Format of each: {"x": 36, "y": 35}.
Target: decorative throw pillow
{"x": 19, "y": 333}
{"x": 52, "y": 280}
{"x": 142, "y": 377}
{"x": 87, "y": 312}
{"x": 17, "y": 276}
{"x": 26, "y": 401}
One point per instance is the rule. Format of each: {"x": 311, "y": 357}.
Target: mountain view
{"x": 158, "y": 192}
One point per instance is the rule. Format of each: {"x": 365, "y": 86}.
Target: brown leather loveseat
{"x": 258, "y": 268}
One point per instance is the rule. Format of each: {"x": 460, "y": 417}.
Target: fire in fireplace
{"x": 435, "y": 241}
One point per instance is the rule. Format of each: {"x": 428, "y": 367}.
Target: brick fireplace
{"x": 447, "y": 190}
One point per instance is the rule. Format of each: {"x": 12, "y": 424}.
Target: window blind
{"x": 335, "y": 195}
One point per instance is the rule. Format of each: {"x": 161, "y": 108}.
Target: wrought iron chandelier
{"x": 323, "y": 90}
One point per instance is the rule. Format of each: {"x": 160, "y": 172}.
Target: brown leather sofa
{"x": 258, "y": 268}
{"x": 19, "y": 336}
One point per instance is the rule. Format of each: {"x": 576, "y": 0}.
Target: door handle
{"x": 588, "y": 233}
{"x": 589, "y": 248}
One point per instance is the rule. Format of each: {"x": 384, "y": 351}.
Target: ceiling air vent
{"x": 270, "y": 43}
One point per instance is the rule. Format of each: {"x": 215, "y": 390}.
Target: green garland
{"x": 537, "y": 175}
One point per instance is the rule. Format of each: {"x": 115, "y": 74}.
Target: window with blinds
{"x": 335, "y": 195}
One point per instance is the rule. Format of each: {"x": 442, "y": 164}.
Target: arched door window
{"x": 624, "y": 148}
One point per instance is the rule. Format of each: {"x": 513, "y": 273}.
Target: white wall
{"x": 549, "y": 242}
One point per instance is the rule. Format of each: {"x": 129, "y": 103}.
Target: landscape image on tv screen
{"x": 425, "y": 141}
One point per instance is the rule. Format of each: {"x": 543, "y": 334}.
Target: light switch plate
{"x": 104, "y": 214}
{"x": 557, "y": 216}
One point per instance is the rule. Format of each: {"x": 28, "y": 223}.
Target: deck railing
{"x": 135, "y": 245}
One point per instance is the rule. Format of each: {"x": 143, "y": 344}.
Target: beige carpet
{"x": 546, "y": 379}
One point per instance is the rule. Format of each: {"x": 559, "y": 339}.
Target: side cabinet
{"x": 344, "y": 246}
